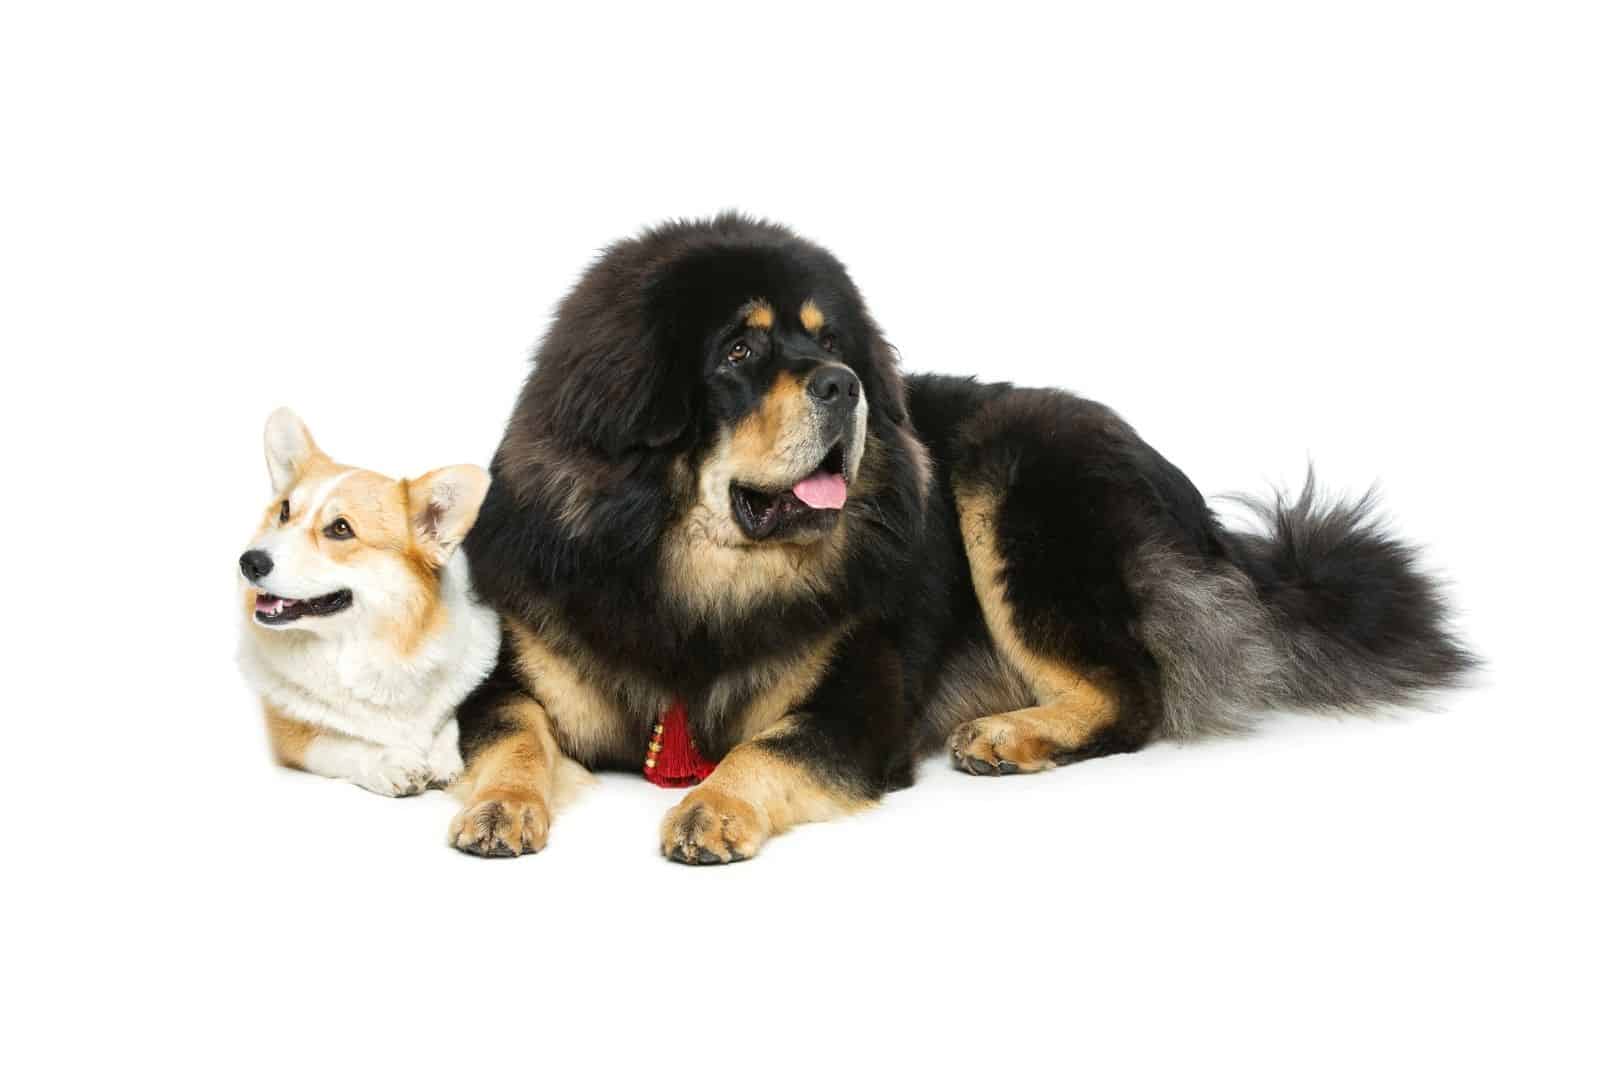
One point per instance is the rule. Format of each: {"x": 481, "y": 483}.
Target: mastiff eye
{"x": 829, "y": 343}
{"x": 739, "y": 352}
{"x": 283, "y": 512}
{"x": 339, "y": 530}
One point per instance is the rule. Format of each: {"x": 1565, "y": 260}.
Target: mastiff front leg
{"x": 834, "y": 753}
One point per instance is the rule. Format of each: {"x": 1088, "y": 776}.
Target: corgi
{"x": 361, "y": 629}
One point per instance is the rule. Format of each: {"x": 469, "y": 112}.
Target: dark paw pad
{"x": 973, "y": 765}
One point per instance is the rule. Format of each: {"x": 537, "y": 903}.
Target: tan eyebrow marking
{"x": 811, "y": 317}
{"x": 758, "y": 314}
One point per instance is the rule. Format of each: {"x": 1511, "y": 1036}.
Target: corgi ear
{"x": 444, "y": 505}
{"x": 289, "y": 448}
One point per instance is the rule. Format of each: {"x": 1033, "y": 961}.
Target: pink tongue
{"x": 822, "y": 490}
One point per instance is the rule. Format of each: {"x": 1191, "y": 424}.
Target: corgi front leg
{"x": 392, "y": 772}
{"x": 444, "y": 755}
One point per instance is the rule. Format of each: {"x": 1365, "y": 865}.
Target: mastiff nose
{"x": 835, "y": 387}
{"x": 255, "y": 564}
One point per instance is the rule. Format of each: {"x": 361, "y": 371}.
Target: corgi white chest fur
{"x": 360, "y": 684}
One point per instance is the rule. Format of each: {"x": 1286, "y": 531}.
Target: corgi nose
{"x": 255, "y": 564}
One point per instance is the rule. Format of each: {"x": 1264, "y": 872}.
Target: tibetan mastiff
{"x": 716, "y": 494}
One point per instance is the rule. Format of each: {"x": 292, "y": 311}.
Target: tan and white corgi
{"x": 361, "y": 630}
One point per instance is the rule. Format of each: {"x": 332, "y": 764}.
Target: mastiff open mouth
{"x": 811, "y": 506}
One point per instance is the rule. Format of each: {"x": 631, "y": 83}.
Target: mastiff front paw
{"x": 502, "y": 827}
{"x": 711, "y": 827}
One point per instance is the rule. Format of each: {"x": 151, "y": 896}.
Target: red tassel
{"x": 673, "y": 760}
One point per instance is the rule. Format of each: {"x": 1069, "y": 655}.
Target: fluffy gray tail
{"x": 1322, "y": 610}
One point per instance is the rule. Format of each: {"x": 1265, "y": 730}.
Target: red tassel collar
{"x": 673, "y": 760}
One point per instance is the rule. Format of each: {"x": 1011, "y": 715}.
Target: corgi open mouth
{"x": 274, "y": 610}
{"x": 811, "y": 505}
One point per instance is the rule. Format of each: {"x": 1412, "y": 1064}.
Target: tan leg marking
{"x": 1071, "y": 707}
{"x": 752, "y": 796}
{"x": 786, "y": 689}
{"x": 509, "y": 786}
{"x": 586, "y": 723}
{"x": 290, "y": 738}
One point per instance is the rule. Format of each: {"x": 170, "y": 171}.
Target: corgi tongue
{"x": 821, "y": 490}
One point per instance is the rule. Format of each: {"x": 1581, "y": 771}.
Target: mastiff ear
{"x": 886, "y": 391}
{"x": 604, "y": 378}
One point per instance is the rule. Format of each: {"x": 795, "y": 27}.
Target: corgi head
{"x": 342, "y": 549}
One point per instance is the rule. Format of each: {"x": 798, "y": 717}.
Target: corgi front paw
{"x": 395, "y": 773}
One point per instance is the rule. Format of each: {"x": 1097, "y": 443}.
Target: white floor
{"x": 1407, "y": 890}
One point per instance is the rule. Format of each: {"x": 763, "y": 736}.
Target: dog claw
{"x": 973, "y": 766}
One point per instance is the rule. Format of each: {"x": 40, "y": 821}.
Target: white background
{"x": 1364, "y": 234}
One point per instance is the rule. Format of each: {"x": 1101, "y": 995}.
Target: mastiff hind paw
{"x": 997, "y": 745}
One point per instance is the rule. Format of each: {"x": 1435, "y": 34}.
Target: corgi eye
{"x": 829, "y": 343}
{"x": 283, "y": 512}
{"x": 739, "y": 352}
{"x": 339, "y": 530}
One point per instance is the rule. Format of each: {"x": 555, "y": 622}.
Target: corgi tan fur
{"x": 361, "y": 630}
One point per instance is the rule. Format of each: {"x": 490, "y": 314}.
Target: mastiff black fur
{"x": 717, "y": 489}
